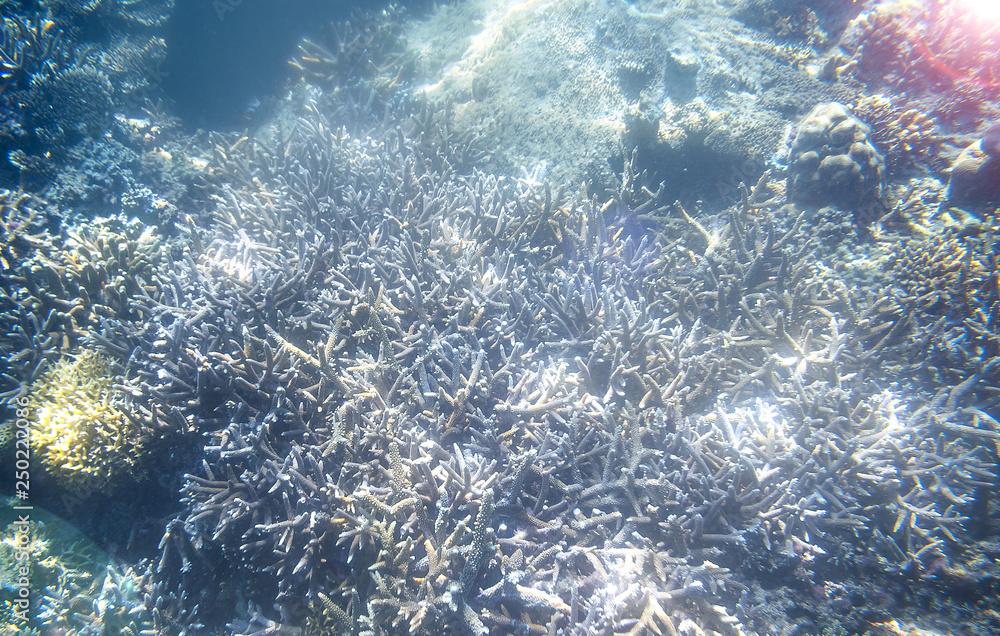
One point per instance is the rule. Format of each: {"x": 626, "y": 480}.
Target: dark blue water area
{"x": 227, "y": 58}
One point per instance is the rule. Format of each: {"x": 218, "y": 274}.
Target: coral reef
{"x": 79, "y": 432}
{"x": 73, "y": 103}
{"x": 882, "y": 42}
{"x": 376, "y": 389}
{"x": 29, "y": 46}
{"x": 105, "y": 178}
{"x": 904, "y": 137}
{"x": 100, "y": 604}
{"x": 833, "y": 161}
{"x": 369, "y": 46}
{"x": 54, "y": 553}
{"x": 70, "y": 71}
{"x": 454, "y": 404}
{"x": 941, "y": 52}
{"x": 951, "y": 276}
{"x": 20, "y": 224}
{"x": 61, "y": 289}
{"x": 581, "y": 96}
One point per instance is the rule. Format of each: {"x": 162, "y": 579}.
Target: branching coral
{"x": 951, "y": 289}
{"x": 436, "y": 400}
{"x": 368, "y": 45}
{"x": 74, "y": 102}
{"x": 102, "y": 605}
{"x": 905, "y": 137}
{"x": 66, "y": 70}
{"x": 379, "y": 395}
{"x": 386, "y": 353}
{"x": 921, "y": 45}
{"x": 58, "y": 558}
{"x": 29, "y": 47}
{"x": 62, "y": 290}
{"x": 80, "y": 433}
{"x": 20, "y": 228}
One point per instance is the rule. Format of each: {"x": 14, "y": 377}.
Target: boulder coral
{"x": 832, "y": 160}
{"x": 975, "y": 175}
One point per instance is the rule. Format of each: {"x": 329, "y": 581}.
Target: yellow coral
{"x": 6, "y": 434}
{"x": 79, "y": 430}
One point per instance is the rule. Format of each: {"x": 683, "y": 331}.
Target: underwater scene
{"x": 500, "y": 317}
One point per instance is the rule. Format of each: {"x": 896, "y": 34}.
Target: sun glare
{"x": 982, "y": 9}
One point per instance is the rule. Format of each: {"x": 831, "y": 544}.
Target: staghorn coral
{"x": 20, "y": 224}
{"x": 425, "y": 399}
{"x": 384, "y": 353}
{"x": 351, "y": 462}
{"x": 104, "y": 604}
{"x": 56, "y": 555}
{"x": 368, "y": 45}
{"x": 29, "y": 46}
{"x": 68, "y": 286}
{"x": 80, "y": 433}
{"x": 950, "y": 293}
